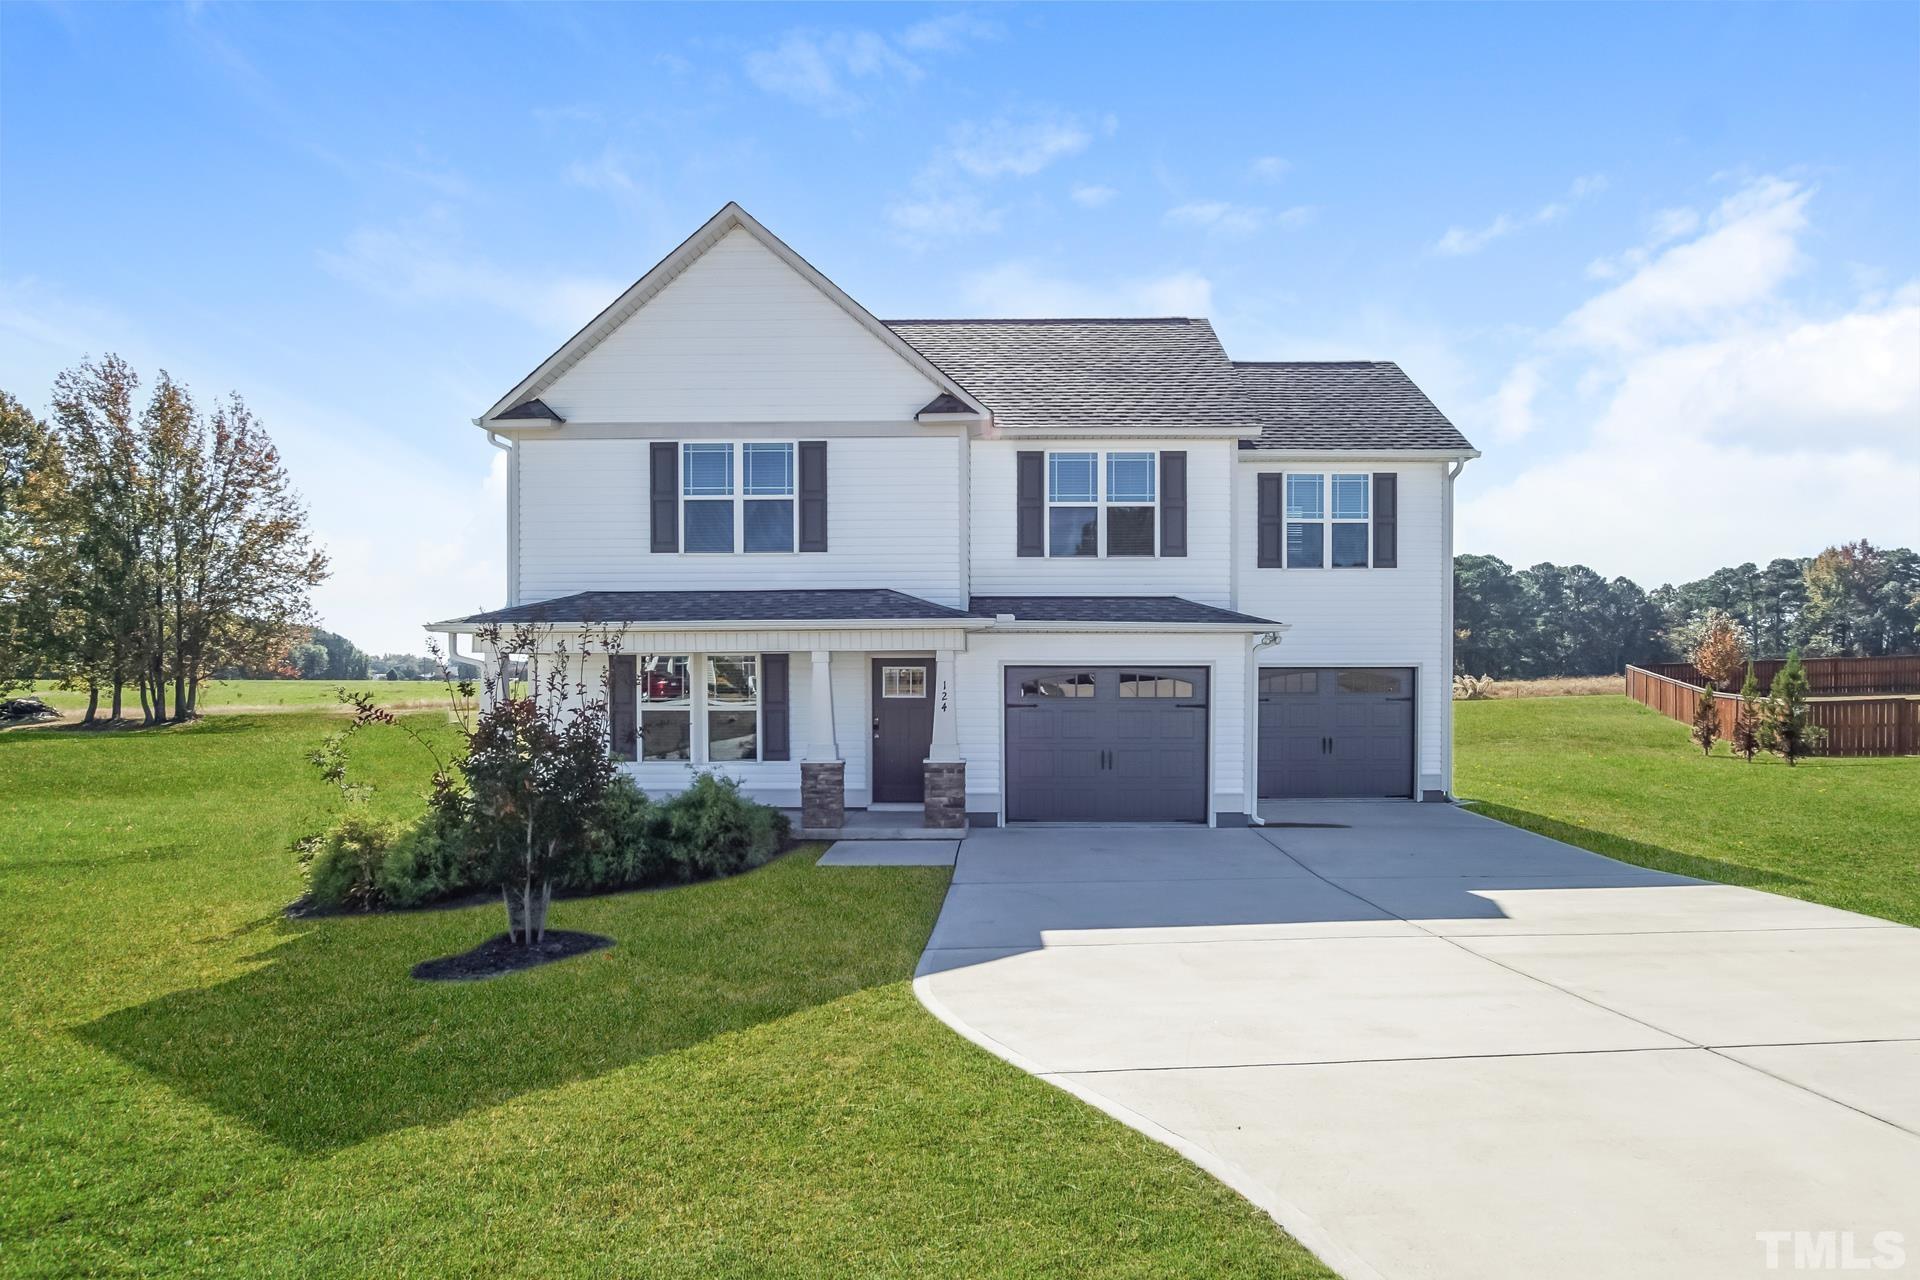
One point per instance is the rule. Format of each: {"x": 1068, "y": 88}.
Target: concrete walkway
{"x": 1432, "y": 1045}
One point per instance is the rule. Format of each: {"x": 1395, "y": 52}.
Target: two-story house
{"x": 1079, "y": 570}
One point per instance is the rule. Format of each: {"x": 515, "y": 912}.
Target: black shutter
{"x": 1031, "y": 502}
{"x": 665, "y": 495}
{"x": 774, "y": 716}
{"x": 1173, "y": 502}
{"x": 1272, "y": 523}
{"x": 622, "y": 685}
{"x": 1386, "y": 520}
{"x": 813, "y": 497}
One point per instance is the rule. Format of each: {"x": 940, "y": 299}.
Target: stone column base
{"x": 823, "y": 794}
{"x": 946, "y": 804}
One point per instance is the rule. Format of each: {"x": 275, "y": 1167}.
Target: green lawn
{"x": 1613, "y": 776}
{"x": 226, "y": 696}
{"x": 744, "y": 1085}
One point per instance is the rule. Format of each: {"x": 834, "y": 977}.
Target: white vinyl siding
{"x": 893, "y": 512}
{"x": 1204, "y": 574}
{"x": 1380, "y": 618}
{"x": 740, "y": 337}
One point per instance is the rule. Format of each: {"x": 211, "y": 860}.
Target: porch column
{"x": 945, "y": 774}
{"x": 823, "y": 774}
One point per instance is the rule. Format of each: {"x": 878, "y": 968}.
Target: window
{"x": 757, "y": 514}
{"x": 1073, "y": 497}
{"x": 1360, "y": 680}
{"x": 1319, "y": 534}
{"x": 733, "y": 708}
{"x": 1139, "y": 684}
{"x": 1281, "y": 682}
{"x": 1063, "y": 685}
{"x": 903, "y": 682}
{"x": 666, "y": 709}
{"x": 1076, "y": 498}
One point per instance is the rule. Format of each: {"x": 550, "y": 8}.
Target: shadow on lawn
{"x": 330, "y": 1042}
{"x": 1637, "y": 852}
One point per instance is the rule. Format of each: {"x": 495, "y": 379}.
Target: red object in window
{"x": 662, "y": 687}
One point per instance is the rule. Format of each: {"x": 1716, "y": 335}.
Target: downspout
{"x": 1446, "y": 598}
{"x": 513, "y": 511}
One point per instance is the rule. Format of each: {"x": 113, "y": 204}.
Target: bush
{"x": 429, "y": 861}
{"x": 627, "y": 845}
{"x": 715, "y": 831}
{"x": 346, "y": 869}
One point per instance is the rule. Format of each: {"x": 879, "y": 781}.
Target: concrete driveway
{"x": 1434, "y": 1045}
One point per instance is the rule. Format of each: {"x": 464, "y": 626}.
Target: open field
{"x": 1557, "y": 686}
{"x": 1619, "y": 778}
{"x": 223, "y": 697}
{"x": 743, "y": 1086}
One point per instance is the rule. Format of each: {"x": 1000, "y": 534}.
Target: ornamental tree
{"x": 1720, "y": 651}
{"x": 1746, "y": 719}
{"x": 1706, "y": 720}
{"x": 1792, "y": 735}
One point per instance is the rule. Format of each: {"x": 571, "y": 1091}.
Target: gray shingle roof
{"x": 945, "y": 402}
{"x": 876, "y": 605}
{"x": 1348, "y": 404}
{"x": 536, "y": 409}
{"x": 1165, "y": 609}
{"x": 1164, "y": 374}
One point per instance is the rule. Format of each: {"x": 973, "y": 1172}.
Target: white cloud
{"x": 1024, "y": 288}
{"x": 1092, "y": 195}
{"x": 1227, "y": 218}
{"x": 1020, "y": 148}
{"x": 413, "y": 265}
{"x": 949, "y": 196}
{"x": 1706, "y": 418}
{"x": 819, "y": 69}
{"x": 949, "y": 34}
{"x": 1751, "y": 246}
{"x": 1269, "y": 168}
{"x": 1459, "y": 241}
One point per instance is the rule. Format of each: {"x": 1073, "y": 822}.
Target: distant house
{"x": 1064, "y": 570}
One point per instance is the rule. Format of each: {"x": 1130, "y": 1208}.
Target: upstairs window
{"x": 1095, "y": 510}
{"x": 737, "y": 496}
{"x": 1327, "y": 520}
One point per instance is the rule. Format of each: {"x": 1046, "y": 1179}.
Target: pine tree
{"x": 1706, "y": 720}
{"x": 1747, "y": 719}
{"x": 1793, "y": 736}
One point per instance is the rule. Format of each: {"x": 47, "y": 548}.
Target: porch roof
{"x": 1146, "y": 611}
{"x": 859, "y": 606}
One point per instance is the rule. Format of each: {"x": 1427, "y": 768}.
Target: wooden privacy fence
{"x": 1826, "y": 677}
{"x": 1856, "y": 727}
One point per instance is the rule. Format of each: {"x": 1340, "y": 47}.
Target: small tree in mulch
{"x": 1706, "y": 720}
{"x": 1790, "y": 735}
{"x": 1746, "y": 719}
{"x": 1720, "y": 651}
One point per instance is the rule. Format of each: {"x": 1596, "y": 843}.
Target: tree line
{"x": 1855, "y": 599}
{"x": 143, "y": 547}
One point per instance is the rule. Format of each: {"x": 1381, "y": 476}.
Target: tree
{"x": 1790, "y": 735}
{"x": 36, "y": 538}
{"x": 310, "y": 660}
{"x": 1844, "y": 585}
{"x": 1746, "y": 719}
{"x": 1706, "y": 719}
{"x": 1719, "y": 652}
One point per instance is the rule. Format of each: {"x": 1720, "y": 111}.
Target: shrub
{"x": 1472, "y": 688}
{"x": 346, "y": 869}
{"x": 627, "y": 844}
{"x": 716, "y": 831}
{"x": 1706, "y": 720}
{"x": 1788, "y": 732}
{"x": 1746, "y": 720}
{"x": 429, "y": 861}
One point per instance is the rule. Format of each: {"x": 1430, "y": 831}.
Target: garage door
{"x": 1336, "y": 731}
{"x": 1106, "y": 744}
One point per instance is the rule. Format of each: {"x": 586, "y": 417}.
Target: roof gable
{"x": 754, "y": 327}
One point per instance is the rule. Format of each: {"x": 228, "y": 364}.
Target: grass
{"x": 743, "y": 1086}
{"x": 1613, "y": 776}
{"x": 228, "y": 697}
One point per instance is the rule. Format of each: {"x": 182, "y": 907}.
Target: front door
{"x": 902, "y": 728}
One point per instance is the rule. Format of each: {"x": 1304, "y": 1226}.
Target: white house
{"x": 1017, "y": 570}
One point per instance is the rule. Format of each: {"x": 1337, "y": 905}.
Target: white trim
{"x": 1325, "y": 455}
{"x": 739, "y": 497}
{"x": 664, "y": 272}
{"x": 1326, "y": 519}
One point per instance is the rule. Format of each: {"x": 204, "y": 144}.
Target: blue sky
{"x": 1644, "y": 255}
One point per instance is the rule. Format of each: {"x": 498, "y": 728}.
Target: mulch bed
{"x": 497, "y": 956}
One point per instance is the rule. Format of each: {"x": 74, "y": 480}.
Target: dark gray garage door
{"x": 1336, "y": 731}
{"x": 1106, "y": 744}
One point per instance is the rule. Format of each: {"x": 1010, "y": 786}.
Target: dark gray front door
{"x": 902, "y": 728}
{"x": 1106, "y": 744}
{"x": 1336, "y": 731}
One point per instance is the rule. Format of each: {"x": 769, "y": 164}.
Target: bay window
{"x": 737, "y": 495}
